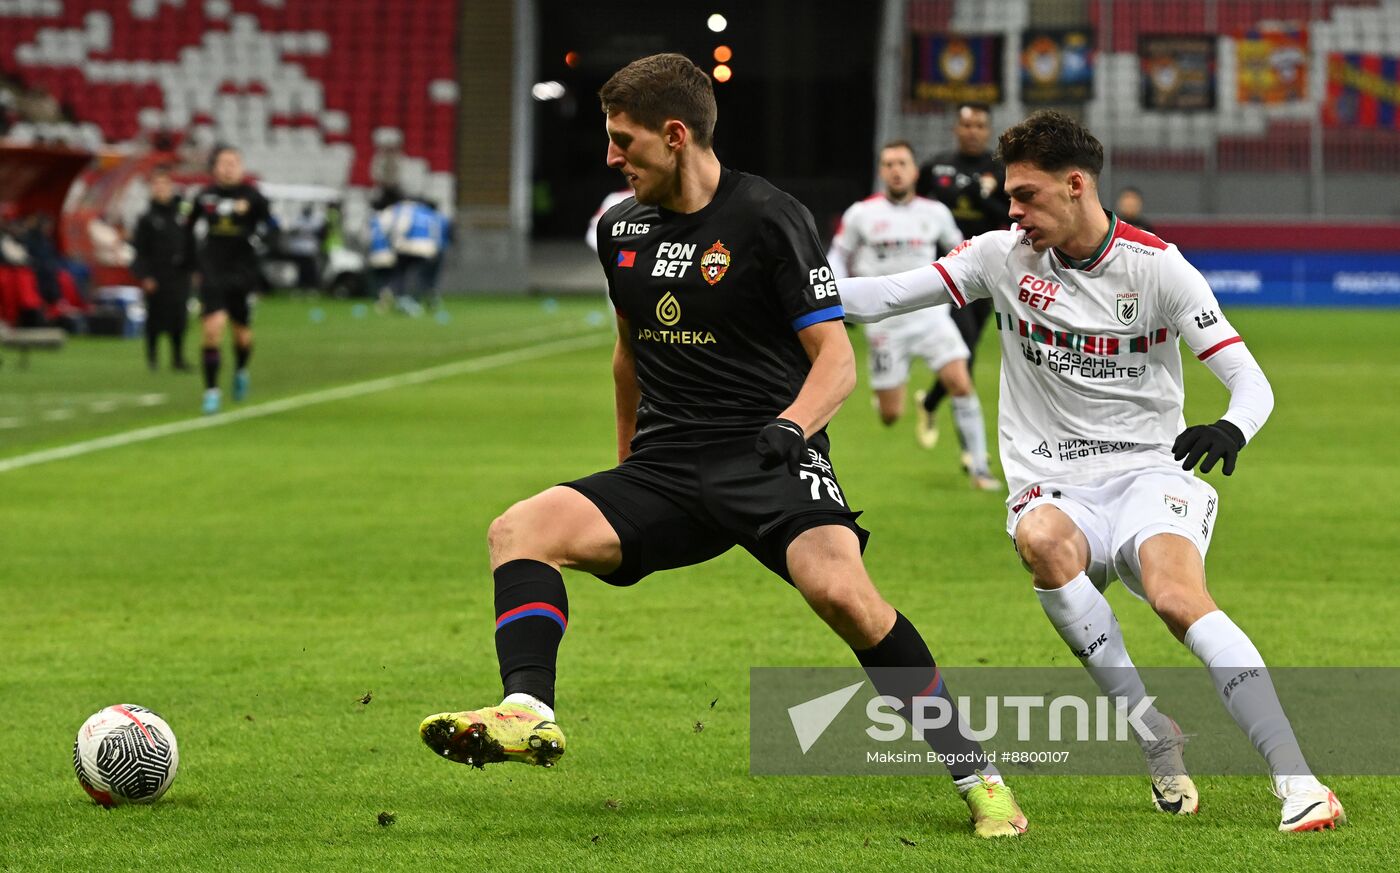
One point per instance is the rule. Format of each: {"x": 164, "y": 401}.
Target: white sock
{"x": 1243, "y": 683}
{"x": 967, "y": 783}
{"x": 967, "y": 418}
{"x": 529, "y": 701}
{"x": 1086, "y": 622}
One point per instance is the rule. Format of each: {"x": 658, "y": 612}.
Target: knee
{"x": 1179, "y": 605}
{"x": 504, "y": 533}
{"x": 1047, "y": 550}
{"x": 843, "y": 607}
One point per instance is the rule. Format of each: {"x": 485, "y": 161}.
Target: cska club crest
{"x": 714, "y": 263}
{"x": 1127, "y": 307}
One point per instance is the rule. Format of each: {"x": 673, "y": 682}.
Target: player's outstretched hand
{"x": 781, "y": 442}
{"x": 1221, "y": 441}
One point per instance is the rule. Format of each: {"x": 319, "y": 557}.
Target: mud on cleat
{"x": 509, "y": 732}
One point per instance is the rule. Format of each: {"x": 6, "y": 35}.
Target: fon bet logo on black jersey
{"x": 714, "y": 300}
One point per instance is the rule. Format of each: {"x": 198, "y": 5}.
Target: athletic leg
{"x": 967, "y": 417}
{"x": 825, "y": 566}
{"x": 1174, "y": 581}
{"x": 1058, "y": 554}
{"x": 889, "y": 403}
{"x": 212, "y": 329}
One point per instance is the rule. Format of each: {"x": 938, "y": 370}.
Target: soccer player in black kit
{"x": 227, "y": 215}
{"x": 730, "y": 360}
{"x": 971, "y": 183}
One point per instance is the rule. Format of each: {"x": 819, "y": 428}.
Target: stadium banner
{"x": 1301, "y": 278}
{"x": 831, "y": 721}
{"x": 1272, "y": 64}
{"x": 1363, "y": 90}
{"x": 1057, "y": 67}
{"x": 1178, "y": 72}
{"x": 947, "y": 69}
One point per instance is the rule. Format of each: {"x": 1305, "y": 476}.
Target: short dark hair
{"x": 660, "y": 87}
{"x": 974, "y": 106}
{"x": 218, "y": 150}
{"x": 901, "y": 144}
{"x": 1052, "y": 141}
{"x": 1129, "y": 189}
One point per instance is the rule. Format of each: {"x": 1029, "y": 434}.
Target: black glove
{"x": 1221, "y": 441}
{"x": 781, "y": 442}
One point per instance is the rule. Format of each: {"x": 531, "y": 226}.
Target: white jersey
{"x": 1091, "y": 368}
{"x": 877, "y": 237}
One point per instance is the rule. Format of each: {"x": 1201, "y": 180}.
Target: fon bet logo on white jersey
{"x": 1091, "y": 374}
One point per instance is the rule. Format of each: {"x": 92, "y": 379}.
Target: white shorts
{"x": 1119, "y": 514}
{"x": 929, "y": 333}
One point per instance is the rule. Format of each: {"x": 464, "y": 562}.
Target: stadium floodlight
{"x": 717, "y": 23}
{"x": 722, "y": 73}
{"x": 550, "y": 90}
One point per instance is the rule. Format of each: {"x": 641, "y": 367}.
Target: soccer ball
{"x": 125, "y": 754}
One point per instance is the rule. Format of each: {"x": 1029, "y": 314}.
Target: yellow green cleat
{"x": 509, "y": 732}
{"x": 994, "y": 810}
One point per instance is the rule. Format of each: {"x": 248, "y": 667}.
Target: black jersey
{"x": 955, "y": 180}
{"x": 225, "y": 220}
{"x": 162, "y": 241}
{"x": 714, "y": 300}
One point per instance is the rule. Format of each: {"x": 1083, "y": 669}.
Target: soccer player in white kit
{"x": 890, "y": 232}
{"x": 1090, "y": 310}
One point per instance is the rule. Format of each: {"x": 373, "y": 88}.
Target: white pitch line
{"x": 300, "y": 401}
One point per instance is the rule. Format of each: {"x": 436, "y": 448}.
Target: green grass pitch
{"x": 254, "y": 582}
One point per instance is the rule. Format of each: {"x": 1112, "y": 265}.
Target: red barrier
{"x": 1256, "y": 236}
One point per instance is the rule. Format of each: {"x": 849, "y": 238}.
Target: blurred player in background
{"x": 228, "y": 216}
{"x": 730, "y": 360}
{"x": 889, "y": 233}
{"x": 162, "y": 266}
{"x": 969, "y": 181}
{"x": 1128, "y": 207}
{"x": 1090, "y": 312}
{"x": 591, "y": 235}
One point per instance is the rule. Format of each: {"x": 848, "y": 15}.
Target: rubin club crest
{"x": 714, "y": 262}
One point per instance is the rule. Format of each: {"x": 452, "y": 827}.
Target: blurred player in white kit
{"x": 890, "y": 232}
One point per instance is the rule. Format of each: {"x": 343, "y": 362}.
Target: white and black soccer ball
{"x": 125, "y": 754}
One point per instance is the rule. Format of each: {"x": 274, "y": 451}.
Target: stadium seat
{"x": 252, "y": 70}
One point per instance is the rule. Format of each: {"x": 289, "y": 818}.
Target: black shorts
{"x": 224, "y": 296}
{"x": 673, "y": 506}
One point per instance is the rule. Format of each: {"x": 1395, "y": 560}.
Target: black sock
{"x": 151, "y": 339}
{"x": 177, "y": 350}
{"x": 934, "y": 396}
{"x": 532, "y": 610}
{"x": 901, "y": 666}
{"x": 211, "y": 367}
{"x": 241, "y": 354}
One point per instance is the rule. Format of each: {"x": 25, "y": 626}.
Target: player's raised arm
{"x": 626, "y": 393}
{"x": 954, "y": 278}
{"x": 875, "y": 298}
{"x": 1200, "y": 321}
